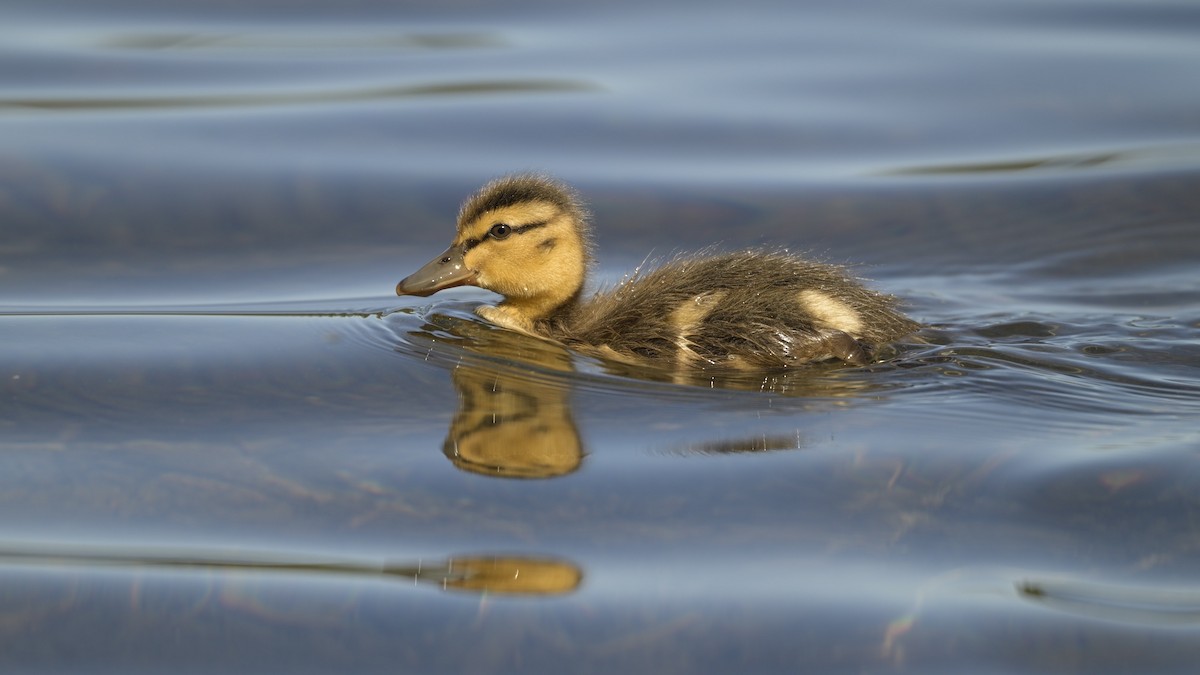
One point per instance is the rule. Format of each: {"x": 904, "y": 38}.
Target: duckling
{"x": 528, "y": 238}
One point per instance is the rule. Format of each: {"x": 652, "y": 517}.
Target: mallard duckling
{"x": 527, "y": 238}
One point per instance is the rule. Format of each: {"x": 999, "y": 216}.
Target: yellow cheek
{"x": 502, "y": 267}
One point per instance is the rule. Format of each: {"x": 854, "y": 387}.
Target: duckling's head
{"x": 525, "y": 237}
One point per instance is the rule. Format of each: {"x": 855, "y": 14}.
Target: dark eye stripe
{"x": 475, "y": 241}
{"x": 527, "y": 227}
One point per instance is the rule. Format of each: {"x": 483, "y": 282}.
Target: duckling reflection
{"x": 511, "y": 427}
{"x": 515, "y": 417}
{"x": 509, "y": 574}
{"x": 512, "y": 575}
{"x": 513, "y": 420}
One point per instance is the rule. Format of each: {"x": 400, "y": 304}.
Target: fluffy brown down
{"x": 756, "y": 318}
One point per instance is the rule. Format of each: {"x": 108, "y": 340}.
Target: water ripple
{"x": 290, "y": 42}
{"x": 1057, "y": 365}
{"x": 295, "y": 98}
{"x": 1158, "y": 157}
{"x": 1126, "y": 604}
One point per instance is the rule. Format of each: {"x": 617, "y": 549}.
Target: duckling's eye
{"x": 500, "y": 231}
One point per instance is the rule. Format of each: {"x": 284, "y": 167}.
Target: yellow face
{"x": 530, "y": 253}
{"x": 524, "y": 237}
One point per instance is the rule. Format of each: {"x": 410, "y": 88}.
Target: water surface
{"x": 225, "y": 446}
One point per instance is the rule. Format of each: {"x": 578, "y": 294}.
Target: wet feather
{"x": 757, "y": 319}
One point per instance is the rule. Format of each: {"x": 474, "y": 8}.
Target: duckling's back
{"x": 753, "y": 309}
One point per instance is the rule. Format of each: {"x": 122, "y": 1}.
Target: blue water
{"x": 226, "y": 446}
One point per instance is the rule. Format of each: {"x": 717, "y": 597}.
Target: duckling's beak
{"x": 445, "y": 271}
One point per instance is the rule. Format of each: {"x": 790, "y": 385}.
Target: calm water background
{"x": 225, "y": 446}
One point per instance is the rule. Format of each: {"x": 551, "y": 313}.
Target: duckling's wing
{"x": 751, "y": 309}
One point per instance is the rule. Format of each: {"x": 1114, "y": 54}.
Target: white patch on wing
{"x": 687, "y": 316}
{"x": 829, "y": 312}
